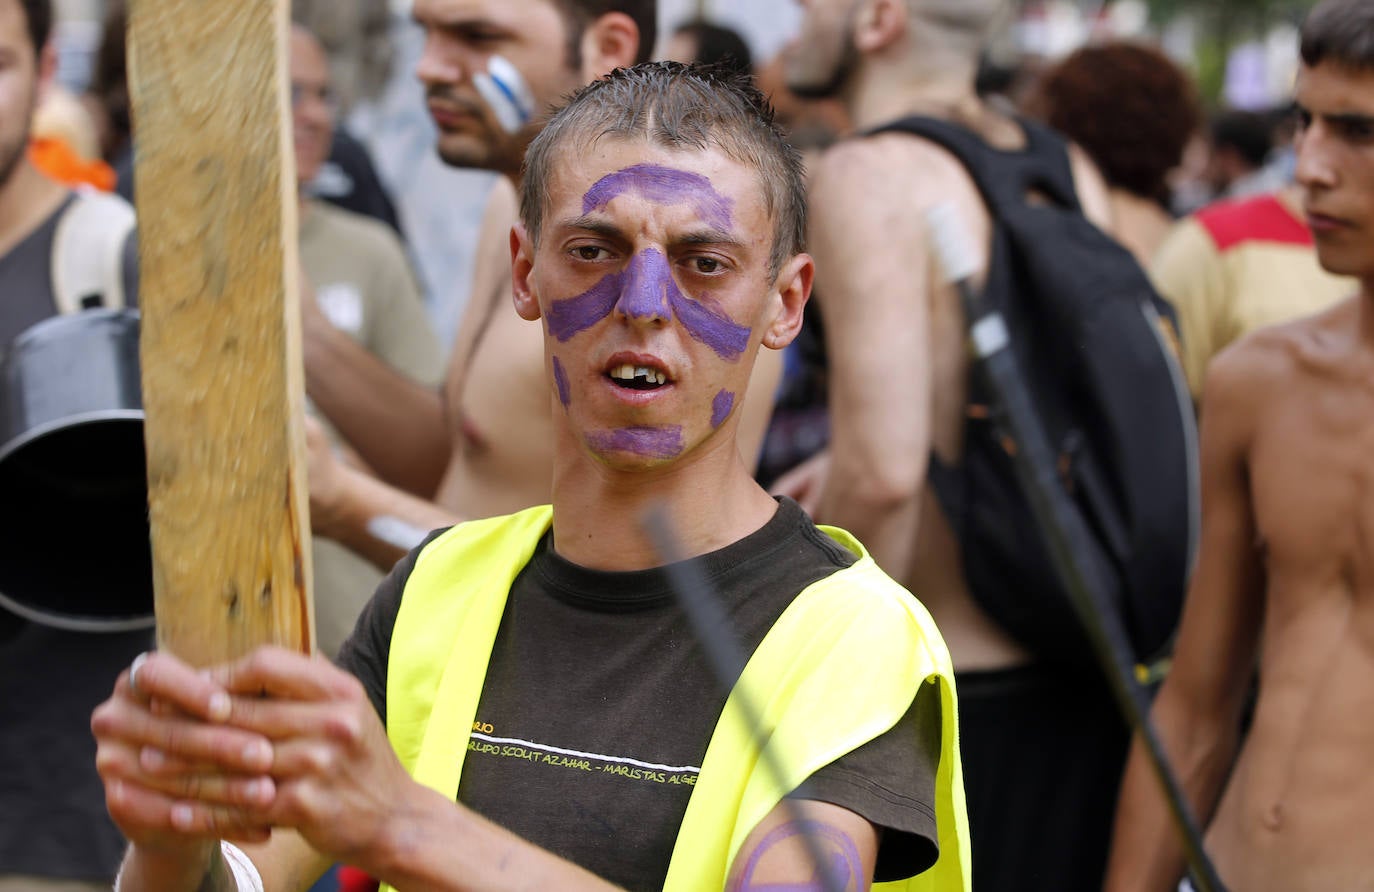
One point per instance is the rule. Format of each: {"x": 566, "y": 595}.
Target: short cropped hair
{"x": 1340, "y": 31}
{"x": 578, "y": 14}
{"x": 1128, "y": 106}
{"x": 38, "y": 13}
{"x": 678, "y": 106}
{"x": 1249, "y": 134}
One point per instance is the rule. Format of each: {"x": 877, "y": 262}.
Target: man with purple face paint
{"x": 524, "y": 705}
{"x": 491, "y": 69}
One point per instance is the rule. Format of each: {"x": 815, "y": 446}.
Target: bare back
{"x": 891, "y": 318}
{"x": 1297, "y": 812}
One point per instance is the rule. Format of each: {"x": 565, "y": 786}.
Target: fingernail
{"x": 151, "y": 759}
{"x": 258, "y": 754}
{"x": 220, "y": 707}
{"x": 182, "y": 817}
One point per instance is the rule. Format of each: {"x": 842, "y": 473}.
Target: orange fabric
{"x": 58, "y": 160}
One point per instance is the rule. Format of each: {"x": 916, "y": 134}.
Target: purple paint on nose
{"x": 569, "y": 316}
{"x": 662, "y": 185}
{"x": 560, "y": 379}
{"x": 648, "y": 282}
{"x": 711, "y": 327}
{"x": 650, "y": 442}
{"x": 720, "y": 407}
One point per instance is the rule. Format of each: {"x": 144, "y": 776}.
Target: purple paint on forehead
{"x": 571, "y": 315}
{"x": 662, "y": 185}
{"x": 721, "y": 406}
{"x": 711, "y": 327}
{"x": 650, "y": 442}
{"x": 560, "y": 379}
{"x": 648, "y": 282}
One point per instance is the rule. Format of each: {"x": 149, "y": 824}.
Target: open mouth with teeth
{"x": 637, "y": 377}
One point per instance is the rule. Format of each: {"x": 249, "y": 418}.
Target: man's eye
{"x": 588, "y": 252}
{"x": 706, "y": 264}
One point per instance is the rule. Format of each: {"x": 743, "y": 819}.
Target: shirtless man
{"x": 1285, "y": 576}
{"x": 892, "y": 324}
{"x": 486, "y": 444}
{"x": 661, "y": 228}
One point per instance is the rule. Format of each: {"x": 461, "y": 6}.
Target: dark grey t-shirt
{"x": 599, "y": 703}
{"x": 26, "y": 293}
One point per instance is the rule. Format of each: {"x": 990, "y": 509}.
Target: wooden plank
{"x": 222, "y": 380}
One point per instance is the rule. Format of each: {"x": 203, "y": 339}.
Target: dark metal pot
{"x": 74, "y": 549}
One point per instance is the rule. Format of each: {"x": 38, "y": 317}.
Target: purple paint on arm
{"x": 711, "y": 327}
{"x": 845, "y": 867}
{"x": 648, "y": 282}
{"x": 650, "y": 442}
{"x": 571, "y": 315}
{"x": 560, "y": 379}
{"x": 662, "y": 185}
{"x": 720, "y": 407}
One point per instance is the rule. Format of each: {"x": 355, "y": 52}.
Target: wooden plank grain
{"x": 221, "y": 359}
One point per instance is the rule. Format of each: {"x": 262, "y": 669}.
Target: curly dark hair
{"x": 1130, "y": 108}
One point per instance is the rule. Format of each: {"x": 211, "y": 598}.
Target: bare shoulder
{"x": 894, "y": 171}
{"x": 1091, "y": 187}
{"x": 1269, "y": 362}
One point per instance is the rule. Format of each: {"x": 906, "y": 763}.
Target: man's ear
{"x": 793, "y": 289}
{"x": 879, "y": 23}
{"x": 610, "y": 42}
{"x": 47, "y": 72}
{"x": 521, "y": 265}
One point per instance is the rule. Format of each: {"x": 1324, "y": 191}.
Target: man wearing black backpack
{"x": 1042, "y": 743}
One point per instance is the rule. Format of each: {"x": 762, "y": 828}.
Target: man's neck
{"x": 884, "y": 93}
{"x": 27, "y": 198}
{"x": 709, "y": 499}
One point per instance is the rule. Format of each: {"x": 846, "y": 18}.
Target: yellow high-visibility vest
{"x": 839, "y": 667}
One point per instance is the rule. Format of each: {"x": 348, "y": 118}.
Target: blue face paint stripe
{"x": 662, "y": 185}
{"x": 721, "y": 407}
{"x": 649, "y": 442}
{"x": 571, "y": 315}
{"x": 560, "y": 380}
{"x": 712, "y": 328}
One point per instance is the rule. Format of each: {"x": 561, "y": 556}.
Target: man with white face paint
{"x": 491, "y": 69}
{"x": 547, "y": 720}
{"x": 1043, "y": 747}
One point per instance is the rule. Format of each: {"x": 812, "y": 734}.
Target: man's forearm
{"x": 145, "y": 870}
{"x": 378, "y": 521}
{"x": 396, "y": 424}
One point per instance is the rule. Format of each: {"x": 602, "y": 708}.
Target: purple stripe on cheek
{"x": 571, "y": 315}
{"x": 560, "y": 379}
{"x": 712, "y": 328}
{"x": 650, "y": 442}
{"x": 720, "y": 407}
{"x": 662, "y": 185}
{"x": 648, "y": 282}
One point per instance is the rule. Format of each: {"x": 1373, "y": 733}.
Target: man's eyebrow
{"x": 710, "y": 236}
{"x": 593, "y": 224}
{"x": 1350, "y": 119}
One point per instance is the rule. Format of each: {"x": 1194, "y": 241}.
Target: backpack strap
{"x": 88, "y": 252}
{"x": 1004, "y": 177}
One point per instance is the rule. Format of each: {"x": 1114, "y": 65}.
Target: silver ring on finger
{"x": 136, "y": 665}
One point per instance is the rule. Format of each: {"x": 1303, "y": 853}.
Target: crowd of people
{"x": 708, "y": 291}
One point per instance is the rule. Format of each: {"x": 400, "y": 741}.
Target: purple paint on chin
{"x": 662, "y": 185}
{"x": 711, "y": 327}
{"x": 571, "y": 315}
{"x": 650, "y": 442}
{"x": 560, "y": 379}
{"x": 721, "y": 406}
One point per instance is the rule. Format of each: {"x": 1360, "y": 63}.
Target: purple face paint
{"x": 721, "y": 406}
{"x": 662, "y": 185}
{"x": 571, "y": 315}
{"x": 650, "y": 442}
{"x": 648, "y": 282}
{"x": 711, "y": 327}
{"x": 560, "y": 379}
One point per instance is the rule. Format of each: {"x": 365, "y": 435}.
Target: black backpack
{"x": 1093, "y": 341}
